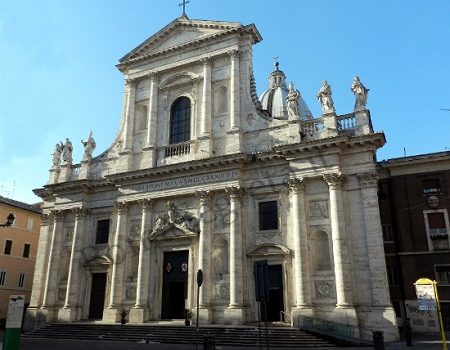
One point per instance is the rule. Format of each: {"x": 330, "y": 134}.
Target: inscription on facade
{"x": 181, "y": 182}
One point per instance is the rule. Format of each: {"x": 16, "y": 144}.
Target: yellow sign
{"x": 428, "y": 299}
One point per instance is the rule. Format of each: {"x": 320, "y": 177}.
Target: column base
{"x": 68, "y": 314}
{"x": 204, "y": 315}
{"x": 138, "y": 315}
{"x": 234, "y": 315}
{"x": 297, "y": 312}
{"x": 51, "y": 314}
{"x": 34, "y": 318}
{"x": 111, "y": 315}
{"x": 347, "y": 315}
{"x": 379, "y": 318}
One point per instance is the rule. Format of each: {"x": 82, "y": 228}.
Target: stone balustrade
{"x": 178, "y": 149}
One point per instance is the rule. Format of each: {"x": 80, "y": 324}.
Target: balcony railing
{"x": 346, "y": 123}
{"x": 178, "y": 149}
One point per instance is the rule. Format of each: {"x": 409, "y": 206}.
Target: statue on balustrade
{"x": 67, "y": 152}
{"x": 324, "y": 97}
{"x": 57, "y": 154}
{"x": 292, "y": 102}
{"x": 89, "y": 146}
{"x": 360, "y": 92}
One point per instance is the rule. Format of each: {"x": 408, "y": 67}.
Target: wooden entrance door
{"x": 97, "y": 301}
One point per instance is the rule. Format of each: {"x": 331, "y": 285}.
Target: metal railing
{"x": 314, "y": 324}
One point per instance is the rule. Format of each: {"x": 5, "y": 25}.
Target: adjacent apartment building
{"x": 18, "y": 247}
{"x": 414, "y": 204}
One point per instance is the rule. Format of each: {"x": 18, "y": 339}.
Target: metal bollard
{"x": 209, "y": 343}
{"x": 378, "y": 340}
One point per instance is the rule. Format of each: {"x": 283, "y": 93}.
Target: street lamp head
{"x": 9, "y": 220}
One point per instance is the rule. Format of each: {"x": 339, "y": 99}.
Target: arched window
{"x": 180, "y": 120}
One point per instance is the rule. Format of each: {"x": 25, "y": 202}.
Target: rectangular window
{"x": 8, "y": 247}
{"x": 442, "y": 273}
{"x": 2, "y": 278}
{"x": 387, "y": 233}
{"x": 392, "y": 272}
{"x": 102, "y": 233}
{"x": 436, "y": 223}
{"x": 26, "y": 250}
{"x": 268, "y": 215}
{"x": 431, "y": 186}
{"x": 21, "y": 282}
{"x": 30, "y": 224}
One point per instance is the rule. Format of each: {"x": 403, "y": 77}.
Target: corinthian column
{"x": 340, "y": 253}
{"x": 234, "y": 91}
{"x": 152, "y": 111}
{"x": 139, "y": 313}
{"x": 111, "y": 314}
{"x": 130, "y": 91}
{"x": 51, "y": 276}
{"x": 69, "y": 311}
{"x": 374, "y": 239}
{"x": 235, "y": 311}
{"x": 204, "y": 254}
{"x": 301, "y": 261}
{"x": 205, "y": 124}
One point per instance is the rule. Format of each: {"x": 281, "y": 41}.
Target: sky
{"x": 58, "y": 77}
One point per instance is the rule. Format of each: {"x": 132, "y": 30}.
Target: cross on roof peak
{"x": 184, "y": 6}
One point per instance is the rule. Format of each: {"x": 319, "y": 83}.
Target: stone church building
{"x": 204, "y": 174}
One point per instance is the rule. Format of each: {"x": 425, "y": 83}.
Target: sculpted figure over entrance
{"x": 360, "y": 92}
{"x": 324, "y": 97}
{"x": 67, "y": 152}
{"x": 172, "y": 216}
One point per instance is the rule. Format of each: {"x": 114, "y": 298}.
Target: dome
{"x": 274, "y": 98}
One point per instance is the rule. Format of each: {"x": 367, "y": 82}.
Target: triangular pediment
{"x": 172, "y": 231}
{"x": 184, "y": 32}
{"x": 268, "y": 249}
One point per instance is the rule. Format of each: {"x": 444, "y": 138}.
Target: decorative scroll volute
{"x": 295, "y": 184}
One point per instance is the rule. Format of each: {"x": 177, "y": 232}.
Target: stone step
{"x": 241, "y": 336}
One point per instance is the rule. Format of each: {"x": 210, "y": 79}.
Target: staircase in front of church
{"x": 229, "y": 336}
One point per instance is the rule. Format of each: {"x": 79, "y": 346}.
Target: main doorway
{"x": 175, "y": 278}
{"x": 97, "y": 300}
{"x": 275, "y": 304}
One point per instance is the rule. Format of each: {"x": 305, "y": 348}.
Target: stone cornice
{"x": 179, "y": 168}
{"x": 374, "y": 140}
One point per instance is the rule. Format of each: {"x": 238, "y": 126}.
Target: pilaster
{"x": 140, "y": 312}
{"x": 112, "y": 313}
{"x": 130, "y": 92}
{"x": 71, "y": 304}
{"x": 339, "y": 240}
{"x": 235, "y": 103}
{"x": 204, "y": 254}
{"x": 152, "y": 119}
{"x": 235, "y": 314}
{"x": 50, "y": 284}
{"x": 303, "y": 304}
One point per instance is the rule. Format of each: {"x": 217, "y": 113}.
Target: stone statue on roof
{"x": 89, "y": 146}
{"x": 67, "y": 152}
{"x": 324, "y": 97}
{"x": 292, "y": 102}
{"x": 360, "y": 92}
{"x": 56, "y": 160}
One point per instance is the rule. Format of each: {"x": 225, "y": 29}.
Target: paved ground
{"x": 419, "y": 343}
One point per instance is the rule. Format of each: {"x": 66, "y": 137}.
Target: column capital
{"x": 203, "y": 195}
{"x": 235, "y": 192}
{"x": 368, "y": 179}
{"x": 334, "y": 179}
{"x": 121, "y": 207}
{"x": 152, "y": 75}
{"x": 295, "y": 184}
{"x": 80, "y": 212}
{"x": 146, "y": 204}
{"x": 58, "y": 215}
{"x": 44, "y": 219}
{"x": 206, "y": 61}
{"x": 130, "y": 82}
{"x": 233, "y": 54}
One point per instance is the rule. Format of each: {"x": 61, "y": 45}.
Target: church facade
{"x": 203, "y": 174}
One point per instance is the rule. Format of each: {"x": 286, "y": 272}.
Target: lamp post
{"x": 9, "y": 220}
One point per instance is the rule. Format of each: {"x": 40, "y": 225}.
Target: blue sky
{"x": 58, "y": 77}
